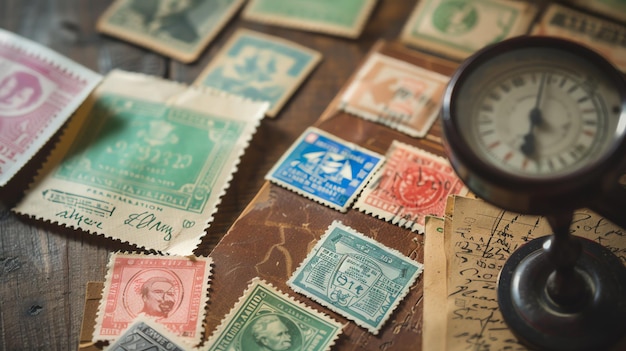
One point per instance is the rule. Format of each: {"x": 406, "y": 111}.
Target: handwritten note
{"x": 479, "y": 238}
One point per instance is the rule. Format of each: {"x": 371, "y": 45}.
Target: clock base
{"x": 595, "y": 322}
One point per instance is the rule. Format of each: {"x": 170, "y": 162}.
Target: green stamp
{"x": 147, "y": 150}
{"x": 458, "y": 28}
{"x": 344, "y": 18}
{"x": 266, "y": 319}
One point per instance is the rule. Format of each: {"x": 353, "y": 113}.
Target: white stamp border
{"x": 255, "y": 282}
{"x": 73, "y": 69}
{"x": 313, "y": 197}
{"x": 386, "y": 216}
{"x": 405, "y": 290}
{"x": 415, "y": 70}
{"x": 206, "y": 283}
{"x": 222, "y": 56}
{"x": 310, "y": 25}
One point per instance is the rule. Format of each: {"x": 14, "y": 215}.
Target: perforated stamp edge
{"x": 154, "y": 261}
{"x": 270, "y": 175}
{"x": 353, "y": 32}
{"x": 339, "y": 225}
{"x": 392, "y": 217}
{"x": 213, "y": 342}
{"x": 160, "y": 337}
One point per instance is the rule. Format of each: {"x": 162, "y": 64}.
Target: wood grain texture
{"x": 44, "y": 269}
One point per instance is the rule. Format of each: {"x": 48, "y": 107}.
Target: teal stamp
{"x": 355, "y": 276}
{"x": 344, "y": 18}
{"x": 458, "y": 28}
{"x": 260, "y": 67}
{"x": 147, "y": 150}
{"x": 179, "y": 29}
{"x": 267, "y": 319}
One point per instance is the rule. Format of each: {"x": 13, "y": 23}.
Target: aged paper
{"x": 435, "y": 288}
{"x": 145, "y": 161}
{"x": 481, "y": 239}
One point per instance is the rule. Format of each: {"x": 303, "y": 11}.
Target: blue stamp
{"x": 260, "y": 67}
{"x": 325, "y": 168}
{"x": 355, "y": 276}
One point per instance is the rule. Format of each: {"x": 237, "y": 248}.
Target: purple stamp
{"x": 39, "y": 90}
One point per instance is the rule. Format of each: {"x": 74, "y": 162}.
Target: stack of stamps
{"x": 343, "y": 18}
{"x": 411, "y": 185}
{"x": 325, "y": 168}
{"x": 170, "y": 291}
{"x": 457, "y": 29}
{"x": 178, "y": 29}
{"x": 612, "y": 8}
{"x": 260, "y": 67}
{"x": 145, "y": 334}
{"x": 39, "y": 90}
{"x": 605, "y": 37}
{"x": 355, "y": 276}
{"x": 395, "y": 93}
{"x": 145, "y": 161}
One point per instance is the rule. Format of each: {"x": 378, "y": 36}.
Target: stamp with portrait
{"x": 458, "y": 28}
{"x": 180, "y": 29}
{"x": 395, "y": 93}
{"x": 260, "y": 67}
{"x": 345, "y": 18}
{"x": 39, "y": 90}
{"x": 411, "y": 185}
{"x": 145, "y": 161}
{"x": 265, "y": 318}
{"x": 325, "y": 168}
{"x": 146, "y": 334}
{"x": 355, "y": 276}
{"x": 171, "y": 290}
{"x": 603, "y": 36}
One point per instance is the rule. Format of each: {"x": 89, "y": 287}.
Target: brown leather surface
{"x": 278, "y": 229}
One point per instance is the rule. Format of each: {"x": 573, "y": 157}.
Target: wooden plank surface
{"x": 44, "y": 269}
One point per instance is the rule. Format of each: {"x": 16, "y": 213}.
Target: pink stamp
{"x": 171, "y": 290}
{"x": 397, "y": 94}
{"x": 39, "y": 90}
{"x": 411, "y": 185}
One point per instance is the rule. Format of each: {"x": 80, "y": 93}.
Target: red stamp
{"x": 397, "y": 94}
{"x": 39, "y": 90}
{"x": 172, "y": 290}
{"x": 411, "y": 185}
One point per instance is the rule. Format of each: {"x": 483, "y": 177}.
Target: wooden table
{"x": 44, "y": 268}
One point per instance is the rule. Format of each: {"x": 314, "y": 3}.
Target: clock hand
{"x": 536, "y": 118}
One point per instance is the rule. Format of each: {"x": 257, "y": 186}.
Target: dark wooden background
{"x": 44, "y": 268}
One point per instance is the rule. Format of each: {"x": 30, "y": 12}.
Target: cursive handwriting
{"x": 149, "y": 220}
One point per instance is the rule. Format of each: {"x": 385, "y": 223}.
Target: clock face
{"x": 538, "y": 112}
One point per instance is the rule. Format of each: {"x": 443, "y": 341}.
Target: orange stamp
{"x": 171, "y": 290}
{"x": 397, "y": 94}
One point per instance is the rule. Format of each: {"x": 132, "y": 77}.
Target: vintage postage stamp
{"x": 396, "y": 93}
{"x": 606, "y": 37}
{"x": 39, "y": 90}
{"x": 145, "y": 161}
{"x": 612, "y": 8}
{"x": 411, "y": 185}
{"x": 260, "y": 67}
{"x": 145, "y": 334}
{"x": 179, "y": 29}
{"x": 325, "y": 168}
{"x": 355, "y": 276}
{"x": 343, "y": 18}
{"x": 457, "y": 28}
{"x": 267, "y": 319}
{"x": 171, "y": 290}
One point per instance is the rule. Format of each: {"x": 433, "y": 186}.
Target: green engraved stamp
{"x": 150, "y": 151}
{"x": 266, "y": 319}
